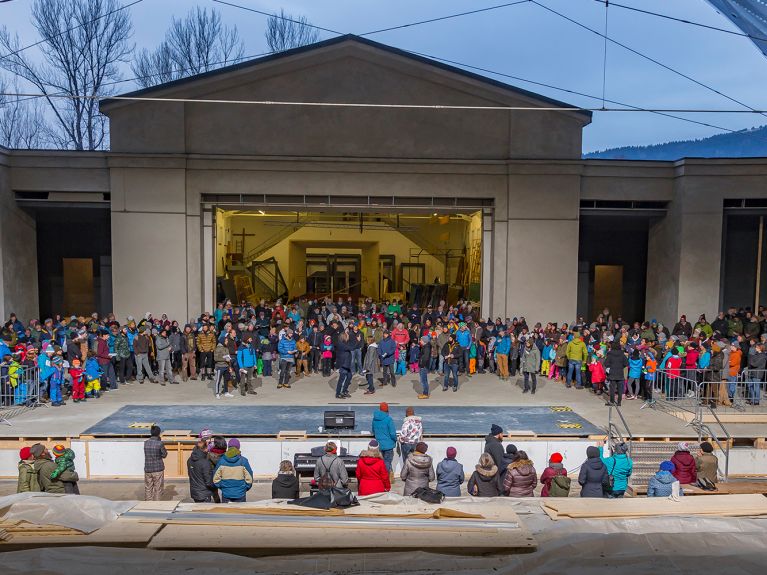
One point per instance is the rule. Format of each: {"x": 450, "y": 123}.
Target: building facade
{"x": 133, "y": 230}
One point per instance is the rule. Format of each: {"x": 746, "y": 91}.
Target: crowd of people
{"x": 218, "y": 472}
{"x": 238, "y": 345}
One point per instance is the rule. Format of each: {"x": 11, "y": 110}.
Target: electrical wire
{"x": 604, "y": 59}
{"x": 646, "y": 57}
{"x": 683, "y": 21}
{"x": 264, "y": 13}
{"x": 20, "y": 50}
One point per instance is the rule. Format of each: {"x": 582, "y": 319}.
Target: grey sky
{"x": 529, "y": 42}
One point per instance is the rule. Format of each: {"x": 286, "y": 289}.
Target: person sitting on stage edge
{"x": 372, "y": 475}
{"x": 521, "y": 478}
{"x": 684, "y": 463}
{"x": 285, "y": 485}
{"x": 707, "y": 464}
{"x": 233, "y": 475}
{"x": 555, "y": 469}
{"x": 330, "y": 471}
{"x": 418, "y": 470}
{"x": 450, "y": 474}
{"x": 486, "y": 479}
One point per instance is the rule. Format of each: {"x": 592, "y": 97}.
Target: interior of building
{"x": 418, "y": 257}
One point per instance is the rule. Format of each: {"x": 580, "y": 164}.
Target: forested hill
{"x": 744, "y": 144}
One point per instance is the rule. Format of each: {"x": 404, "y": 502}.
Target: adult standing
{"x": 531, "y": 363}
{"x": 206, "y": 343}
{"x": 411, "y": 433}
{"x": 154, "y": 466}
{"x": 494, "y": 444}
{"x": 620, "y": 466}
{"x": 188, "y": 354}
{"x": 141, "y": 346}
{"x": 615, "y": 363}
{"x": 163, "y": 350}
{"x": 371, "y": 365}
{"x": 386, "y": 350}
{"x": 451, "y": 352}
{"x": 104, "y": 359}
{"x": 287, "y": 350}
{"x": 344, "y": 350}
{"x": 502, "y": 349}
{"x": 385, "y": 433}
{"x": 200, "y": 472}
{"x": 593, "y": 474}
{"x": 576, "y": 355}
{"x": 424, "y": 362}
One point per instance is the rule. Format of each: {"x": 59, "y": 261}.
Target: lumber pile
{"x": 13, "y": 530}
{"x": 728, "y": 488}
{"x": 749, "y": 505}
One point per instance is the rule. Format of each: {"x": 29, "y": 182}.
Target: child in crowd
{"x": 546, "y": 358}
{"x": 414, "y": 353}
{"x": 56, "y": 381}
{"x": 327, "y": 355}
{"x": 400, "y": 357}
{"x": 265, "y": 349}
{"x": 92, "y": 376}
{"x": 636, "y": 366}
{"x": 648, "y": 371}
{"x": 481, "y": 354}
{"x": 598, "y": 375}
{"x": 77, "y": 376}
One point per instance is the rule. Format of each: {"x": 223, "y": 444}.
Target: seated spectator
{"x": 707, "y": 464}
{"x": 418, "y": 470}
{"x": 285, "y": 485}
{"x": 553, "y": 487}
{"x": 684, "y": 464}
{"x": 521, "y": 478}
{"x": 661, "y": 484}
{"x": 372, "y": 475}
{"x": 593, "y": 474}
{"x": 486, "y": 479}
{"x": 330, "y": 471}
{"x": 450, "y": 475}
{"x": 620, "y": 466}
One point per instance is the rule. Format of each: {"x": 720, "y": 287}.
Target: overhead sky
{"x": 527, "y": 41}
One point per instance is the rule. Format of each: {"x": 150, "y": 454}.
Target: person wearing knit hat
{"x": 661, "y": 484}
{"x": 65, "y": 460}
{"x": 373, "y": 444}
{"x": 421, "y": 447}
{"x": 684, "y": 463}
{"x": 386, "y": 434}
{"x": 233, "y": 475}
{"x": 27, "y": 481}
{"x": 450, "y": 475}
{"x": 371, "y": 473}
{"x": 418, "y": 470}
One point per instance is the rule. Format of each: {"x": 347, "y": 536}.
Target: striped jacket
{"x": 233, "y": 475}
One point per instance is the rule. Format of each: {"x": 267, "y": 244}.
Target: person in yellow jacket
{"x": 577, "y": 352}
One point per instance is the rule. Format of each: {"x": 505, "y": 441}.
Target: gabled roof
{"x": 338, "y": 40}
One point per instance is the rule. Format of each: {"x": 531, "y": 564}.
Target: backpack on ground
{"x": 429, "y": 495}
{"x": 560, "y": 486}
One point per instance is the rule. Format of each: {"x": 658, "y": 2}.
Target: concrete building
{"x": 139, "y": 228}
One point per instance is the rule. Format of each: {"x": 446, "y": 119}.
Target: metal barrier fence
{"x": 19, "y": 390}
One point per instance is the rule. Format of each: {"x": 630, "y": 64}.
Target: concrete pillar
{"x": 18, "y": 254}
{"x": 542, "y": 246}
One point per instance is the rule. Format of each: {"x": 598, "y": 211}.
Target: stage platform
{"x": 270, "y": 420}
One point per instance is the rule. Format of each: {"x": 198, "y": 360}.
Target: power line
{"x": 262, "y": 12}
{"x": 646, "y": 57}
{"x": 20, "y": 50}
{"x": 604, "y": 59}
{"x": 449, "y": 16}
{"x": 683, "y": 21}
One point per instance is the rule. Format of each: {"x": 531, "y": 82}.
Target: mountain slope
{"x": 743, "y": 144}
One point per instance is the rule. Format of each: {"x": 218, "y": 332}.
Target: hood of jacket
{"x": 420, "y": 460}
{"x": 594, "y": 463}
{"x": 486, "y": 474}
{"x": 685, "y": 457}
{"x": 198, "y": 454}
{"x": 664, "y": 477}
{"x": 368, "y": 461}
{"x": 232, "y": 456}
{"x": 450, "y": 465}
{"x": 523, "y": 466}
{"x": 413, "y": 418}
{"x": 286, "y": 480}
{"x": 379, "y": 415}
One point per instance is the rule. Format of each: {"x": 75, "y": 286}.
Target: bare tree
{"x": 196, "y": 44}
{"x": 284, "y": 32}
{"x": 22, "y": 123}
{"x": 83, "y": 43}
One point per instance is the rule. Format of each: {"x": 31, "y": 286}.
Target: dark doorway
{"x": 333, "y": 274}
{"x": 68, "y": 240}
{"x": 612, "y": 265}
{"x": 744, "y": 269}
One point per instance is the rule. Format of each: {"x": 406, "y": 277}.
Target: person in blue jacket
{"x": 385, "y": 433}
{"x": 287, "y": 350}
{"x": 45, "y": 366}
{"x": 661, "y": 484}
{"x": 386, "y": 350}
{"x": 233, "y": 474}
{"x": 463, "y": 337}
{"x": 636, "y": 364}
{"x": 246, "y": 360}
{"x": 620, "y": 466}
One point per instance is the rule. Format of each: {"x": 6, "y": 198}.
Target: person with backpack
{"x": 593, "y": 474}
{"x": 486, "y": 479}
{"x": 330, "y": 471}
{"x": 450, "y": 474}
{"x": 620, "y": 467}
{"x": 554, "y": 478}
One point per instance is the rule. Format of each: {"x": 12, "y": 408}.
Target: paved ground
{"x": 73, "y": 419}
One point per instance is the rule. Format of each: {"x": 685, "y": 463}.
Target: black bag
{"x": 429, "y": 495}
{"x": 328, "y": 499}
{"x": 609, "y": 481}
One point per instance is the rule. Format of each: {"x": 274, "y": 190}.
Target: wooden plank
{"x": 729, "y": 488}
{"x": 119, "y": 533}
{"x": 168, "y": 506}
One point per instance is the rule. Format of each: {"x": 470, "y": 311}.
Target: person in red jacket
{"x": 685, "y": 472}
{"x": 372, "y": 475}
{"x": 555, "y": 468}
{"x": 78, "y": 381}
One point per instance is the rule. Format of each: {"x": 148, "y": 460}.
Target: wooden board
{"x": 717, "y": 505}
{"x": 156, "y": 506}
{"x": 119, "y": 533}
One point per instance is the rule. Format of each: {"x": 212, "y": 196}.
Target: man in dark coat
{"x": 494, "y": 445}
{"x": 200, "y": 472}
{"x": 615, "y": 363}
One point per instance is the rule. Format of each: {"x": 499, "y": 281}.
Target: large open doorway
{"x": 419, "y": 257}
